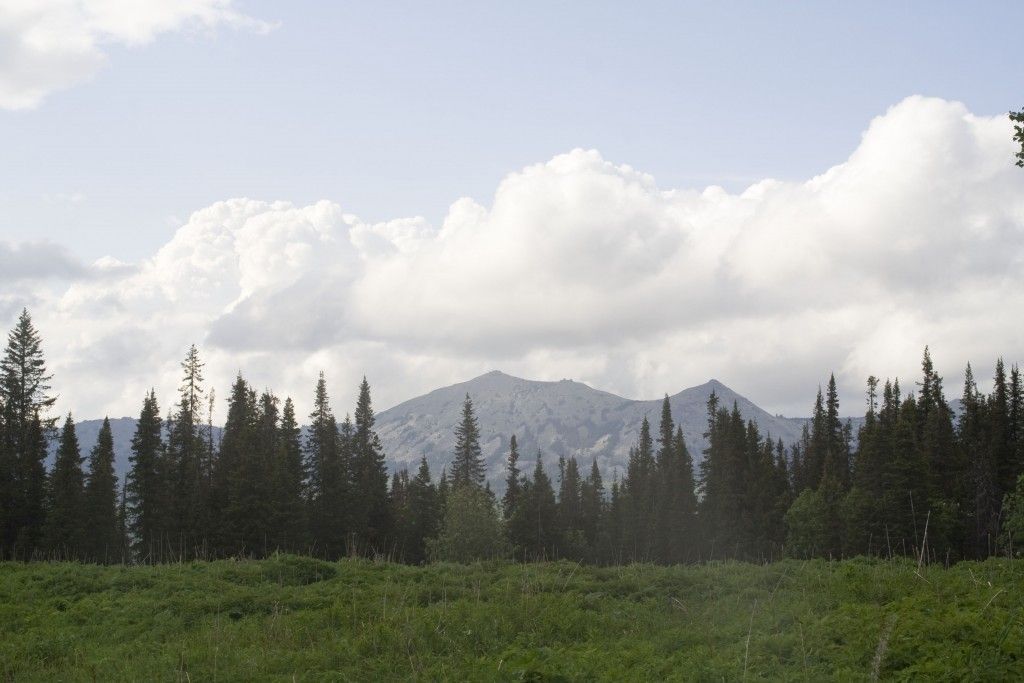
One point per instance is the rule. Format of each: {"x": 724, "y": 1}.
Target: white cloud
{"x": 583, "y": 268}
{"x": 49, "y": 45}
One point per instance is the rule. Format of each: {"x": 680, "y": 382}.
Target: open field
{"x": 297, "y": 618}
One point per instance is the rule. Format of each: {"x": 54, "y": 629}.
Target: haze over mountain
{"x": 562, "y": 418}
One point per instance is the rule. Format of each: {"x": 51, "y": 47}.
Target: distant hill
{"x": 563, "y": 418}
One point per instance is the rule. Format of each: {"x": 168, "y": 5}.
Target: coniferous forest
{"x": 914, "y": 480}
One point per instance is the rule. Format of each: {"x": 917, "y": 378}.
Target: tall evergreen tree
{"x": 327, "y": 489}
{"x": 675, "y": 500}
{"x": 189, "y": 463}
{"x": 289, "y": 510}
{"x": 638, "y": 491}
{"x": 424, "y": 514}
{"x": 25, "y": 401}
{"x": 593, "y": 517}
{"x": 102, "y": 540}
{"x": 147, "y": 501}
{"x": 570, "y": 511}
{"x": 468, "y": 464}
{"x": 65, "y": 528}
{"x": 533, "y": 530}
{"x": 513, "y": 480}
{"x": 372, "y": 522}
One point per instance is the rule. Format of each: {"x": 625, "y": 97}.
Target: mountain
{"x": 563, "y": 418}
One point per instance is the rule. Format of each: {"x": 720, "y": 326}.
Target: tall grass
{"x": 298, "y": 618}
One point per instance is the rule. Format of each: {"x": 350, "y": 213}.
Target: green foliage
{"x": 1012, "y": 537}
{"x": 471, "y": 529}
{"x": 289, "y": 617}
{"x": 806, "y": 528}
{"x": 1018, "y": 134}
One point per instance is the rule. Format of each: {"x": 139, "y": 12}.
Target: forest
{"x": 915, "y": 480}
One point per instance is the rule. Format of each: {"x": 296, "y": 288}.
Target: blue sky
{"x": 638, "y": 196}
{"x": 399, "y": 109}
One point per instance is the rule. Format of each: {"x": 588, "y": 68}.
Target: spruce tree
{"x": 615, "y": 524}
{"x": 864, "y": 521}
{"x": 684, "y": 546}
{"x": 592, "y": 515}
{"x": 188, "y": 462}
{"x": 102, "y": 541}
{"x": 666, "y": 518}
{"x": 401, "y": 516}
{"x": 372, "y": 522}
{"x": 468, "y": 464}
{"x": 513, "y": 481}
{"x": 638, "y": 491}
{"x": 148, "y": 512}
{"x": 533, "y": 530}
{"x": 65, "y": 523}
{"x": 327, "y": 490}
{"x": 25, "y": 400}
{"x": 289, "y": 513}
{"x": 424, "y": 514}
{"x": 570, "y": 512}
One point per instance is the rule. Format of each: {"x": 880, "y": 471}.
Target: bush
{"x": 1012, "y": 534}
{"x": 471, "y": 530}
{"x": 806, "y": 531}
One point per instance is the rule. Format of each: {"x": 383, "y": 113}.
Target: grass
{"x": 293, "y": 618}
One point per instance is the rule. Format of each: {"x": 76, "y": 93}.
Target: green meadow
{"x": 295, "y": 618}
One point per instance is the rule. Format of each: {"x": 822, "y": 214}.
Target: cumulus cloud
{"x": 49, "y": 45}
{"x": 584, "y": 268}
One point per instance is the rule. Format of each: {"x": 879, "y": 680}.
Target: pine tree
{"x": 372, "y": 522}
{"x": 102, "y": 540}
{"x": 943, "y": 462}
{"x": 64, "y": 528}
{"x": 592, "y": 513}
{"x": 513, "y": 482}
{"x": 864, "y": 522}
{"x": 685, "y": 545}
{"x": 327, "y": 489}
{"x": 615, "y": 524}
{"x": 424, "y": 513}
{"x": 675, "y": 499}
{"x": 25, "y": 400}
{"x": 189, "y": 463}
{"x": 725, "y": 482}
{"x": 1001, "y": 432}
{"x": 401, "y": 515}
{"x": 666, "y": 518}
{"x": 817, "y": 445}
{"x": 232, "y": 478}
{"x": 570, "y": 512}
{"x": 533, "y": 529}
{"x": 289, "y": 510}
{"x": 468, "y": 464}
{"x": 147, "y": 503}
{"x": 638, "y": 491}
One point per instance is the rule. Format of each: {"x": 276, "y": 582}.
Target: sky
{"x": 639, "y": 197}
